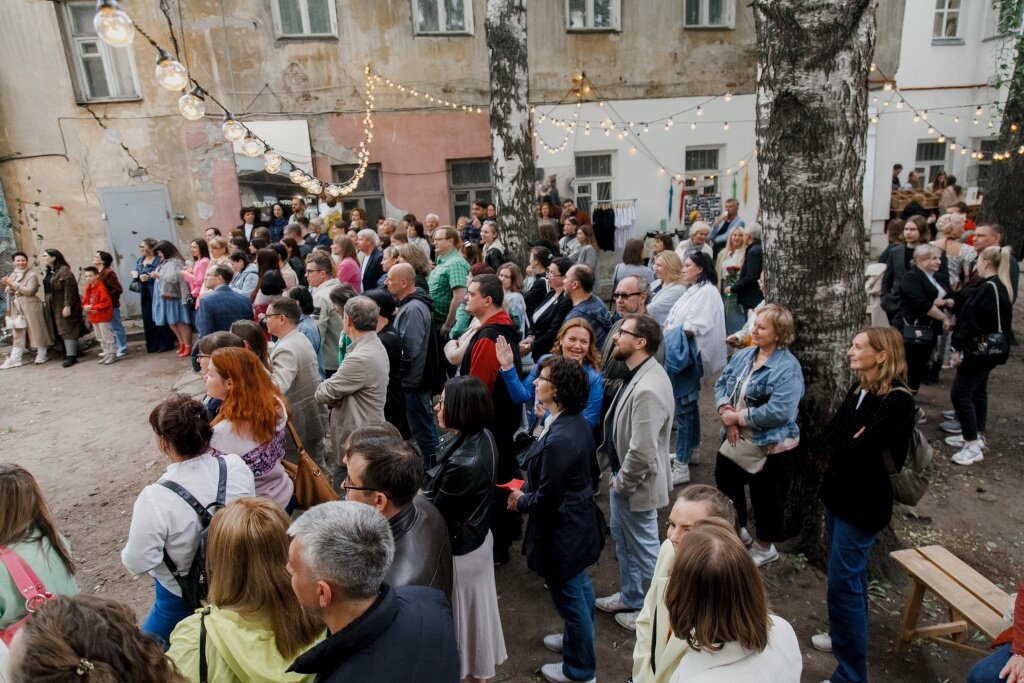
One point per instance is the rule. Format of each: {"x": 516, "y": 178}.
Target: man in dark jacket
{"x": 386, "y": 473}
{"x": 371, "y": 267}
{"x": 579, "y": 284}
{"x": 483, "y": 301}
{"x": 746, "y": 288}
{"x": 338, "y": 558}
{"x": 219, "y": 308}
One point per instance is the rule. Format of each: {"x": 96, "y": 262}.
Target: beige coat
{"x": 294, "y": 367}
{"x": 356, "y": 392}
{"x": 25, "y": 297}
{"x": 654, "y": 631}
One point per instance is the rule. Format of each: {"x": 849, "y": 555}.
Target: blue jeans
{"x": 120, "y": 336}
{"x": 687, "y": 430}
{"x": 636, "y": 548}
{"x": 422, "y": 425}
{"x": 987, "y": 670}
{"x": 849, "y": 548}
{"x": 167, "y": 610}
{"x": 574, "y": 602}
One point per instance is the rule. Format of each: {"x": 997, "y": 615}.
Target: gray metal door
{"x": 133, "y": 213}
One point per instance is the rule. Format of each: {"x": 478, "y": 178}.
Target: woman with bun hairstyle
{"x": 163, "y": 523}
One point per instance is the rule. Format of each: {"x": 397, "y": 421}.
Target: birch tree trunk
{"x": 512, "y": 165}
{"x": 813, "y": 62}
{"x": 1004, "y": 198}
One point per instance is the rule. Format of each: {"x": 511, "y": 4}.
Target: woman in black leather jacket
{"x": 926, "y": 301}
{"x": 461, "y": 486}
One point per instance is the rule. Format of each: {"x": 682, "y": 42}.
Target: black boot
{"x": 69, "y": 361}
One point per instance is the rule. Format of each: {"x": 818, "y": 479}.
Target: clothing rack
{"x": 615, "y": 203}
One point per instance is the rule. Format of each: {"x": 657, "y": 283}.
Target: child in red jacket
{"x": 97, "y": 304}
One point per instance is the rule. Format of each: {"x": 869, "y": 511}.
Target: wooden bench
{"x": 970, "y": 597}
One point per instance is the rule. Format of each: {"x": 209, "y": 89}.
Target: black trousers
{"x": 768, "y": 491}
{"x": 969, "y": 395}
{"x": 918, "y": 357}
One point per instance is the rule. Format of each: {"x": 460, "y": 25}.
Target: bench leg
{"x": 955, "y": 616}
{"x": 911, "y": 614}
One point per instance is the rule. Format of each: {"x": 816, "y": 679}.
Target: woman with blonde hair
{"x": 869, "y": 434}
{"x": 29, "y": 534}
{"x": 668, "y": 287}
{"x": 959, "y": 256}
{"x": 413, "y": 255}
{"x": 254, "y": 627}
{"x": 343, "y": 250}
{"x": 512, "y": 282}
{"x": 718, "y": 605}
{"x": 728, "y": 267}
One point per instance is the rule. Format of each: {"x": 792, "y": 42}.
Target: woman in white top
{"x": 700, "y": 313}
{"x": 698, "y": 241}
{"x": 666, "y": 290}
{"x": 728, "y": 267}
{"x": 164, "y": 524}
{"x": 717, "y": 603}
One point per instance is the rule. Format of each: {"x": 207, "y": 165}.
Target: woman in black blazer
{"x": 537, "y": 291}
{"x": 926, "y": 300}
{"x": 547, "y": 319}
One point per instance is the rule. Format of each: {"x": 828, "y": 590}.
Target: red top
{"x": 96, "y": 295}
{"x": 484, "y": 361}
{"x": 1015, "y": 634}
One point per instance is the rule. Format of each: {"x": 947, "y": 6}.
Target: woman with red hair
{"x": 252, "y": 421}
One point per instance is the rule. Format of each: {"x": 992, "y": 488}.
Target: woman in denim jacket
{"x": 758, "y": 396}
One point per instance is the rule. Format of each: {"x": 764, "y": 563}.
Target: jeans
{"x": 969, "y": 395}
{"x": 987, "y": 670}
{"x": 687, "y": 430}
{"x": 636, "y": 548}
{"x": 422, "y": 425}
{"x": 849, "y": 548}
{"x": 574, "y": 602}
{"x": 119, "y": 334}
{"x": 167, "y": 610}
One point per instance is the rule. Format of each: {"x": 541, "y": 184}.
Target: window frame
{"x": 588, "y": 27}
{"x": 703, "y": 186}
{"x": 729, "y": 7}
{"x": 343, "y": 172}
{"x": 945, "y": 11}
{"x": 929, "y": 168}
{"x": 593, "y": 184}
{"x": 467, "y": 8}
{"x": 978, "y": 173}
{"x": 332, "y": 10}
{"x": 73, "y": 43}
{"x": 474, "y": 189}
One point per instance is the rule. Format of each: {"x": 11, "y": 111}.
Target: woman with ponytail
{"x": 165, "y": 526}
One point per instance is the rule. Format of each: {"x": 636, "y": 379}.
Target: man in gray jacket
{"x": 637, "y": 428}
{"x": 320, "y": 275}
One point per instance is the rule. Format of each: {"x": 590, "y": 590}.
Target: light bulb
{"x": 726, "y": 126}
{"x": 315, "y": 187}
{"x": 272, "y": 161}
{"x": 942, "y": 139}
{"x": 924, "y": 115}
{"x": 728, "y": 97}
{"x": 307, "y": 183}
{"x": 930, "y": 130}
{"x": 113, "y": 24}
{"x": 978, "y": 111}
{"x": 297, "y": 176}
{"x": 700, "y": 111}
{"x": 693, "y": 126}
{"x": 956, "y": 119}
{"x": 251, "y": 147}
{"x": 333, "y": 190}
{"x": 232, "y": 129}
{"x": 192, "y": 105}
{"x": 169, "y": 71}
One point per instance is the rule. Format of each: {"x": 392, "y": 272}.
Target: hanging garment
{"x": 604, "y": 227}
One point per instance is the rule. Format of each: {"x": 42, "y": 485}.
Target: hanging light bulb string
{"x": 433, "y": 99}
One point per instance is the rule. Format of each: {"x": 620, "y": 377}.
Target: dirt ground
{"x": 84, "y": 433}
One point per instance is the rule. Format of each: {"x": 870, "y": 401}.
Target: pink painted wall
{"x": 225, "y": 189}
{"x": 413, "y": 149}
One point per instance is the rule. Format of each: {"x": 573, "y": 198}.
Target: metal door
{"x": 133, "y": 213}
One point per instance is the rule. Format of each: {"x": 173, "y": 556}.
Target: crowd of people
{"x": 449, "y": 393}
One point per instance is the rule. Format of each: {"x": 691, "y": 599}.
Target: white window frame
{"x": 588, "y": 19}
{"x": 304, "y": 13}
{"x": 705, "y": 12}
{"x": 707, "y": 178}
{"x": 944, "y": 12}
{"x": 986, "y": 145}
{"x": 590, "y": 190}
{"x": 442, "y": 19}
{"x": 928, "y": 168}
{"x": 74, "y": 44}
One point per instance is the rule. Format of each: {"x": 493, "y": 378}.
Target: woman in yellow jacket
{"x": 254, "y": 625}
{"x": 658, "y": 652}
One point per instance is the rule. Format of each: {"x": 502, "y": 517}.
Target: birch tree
{"x": 813, "y": 62}
{"x": 512, "y": 165}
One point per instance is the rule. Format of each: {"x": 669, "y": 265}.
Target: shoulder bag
{"x": 29, "y": 586}
{"x": 918, "y": 335}
{"x": 911, "y": 481}
{"x": 311, "y": 486}
{"x": 994, "y": 346}
{"x": 748, "y": 456}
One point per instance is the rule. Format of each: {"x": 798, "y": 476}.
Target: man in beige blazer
{"x": 357, "y": 391}
{"x": 636, "y": 444}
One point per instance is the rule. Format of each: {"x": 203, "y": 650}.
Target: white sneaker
{"x": 613, "y": 603}
{"x": 922, "y": 416}
{"x": 553, "y": 673}
{"x": 968, "y": 455}
{"x": 41, "y": 355}
{"x": 745, "y": 537}
{"x": 627, "y": 620}
{"x": 10, "y": 363}
{"x": 958, "y": 441}
{"x": 763, "y": 556}
{"x": 680, "y": 473}
{"x": 949, "y": 414}
{"x": 553, "y": 642}
{"x": 821, "y": 642}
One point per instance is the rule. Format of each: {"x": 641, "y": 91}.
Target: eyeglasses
{"x": 625, "y": 295}
{"x": 631, "y": 333}
{"x": 269, "y": 314}
{"x": 313, "y": 270}
{"x": 345, "y": 485}
{"x": 543, "y": 378}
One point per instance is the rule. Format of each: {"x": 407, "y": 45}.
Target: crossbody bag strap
{"x": 999, "y": 319}
{"x": 28, "y": 583}
{"x": 204, "y": 672}
{"x": 222, "y": 485}
{"x": 890, "y": 464}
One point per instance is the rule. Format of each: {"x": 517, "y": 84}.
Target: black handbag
{"x": 918, "y": 335}
{"x": 993, "y": 346}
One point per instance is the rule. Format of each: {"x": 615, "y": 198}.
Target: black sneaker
{"x": 69, "y": 361}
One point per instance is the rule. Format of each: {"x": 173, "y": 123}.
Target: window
{"x": 368, "y": 195}
{"x": 99, "y": 72}
{"x": 469, "y": 180}
{"x": 593, "y": 180}
{"x": 708, "y": 14}
{"x": 946, "y": 27}
{"x": 442, "y": 16}
{"x": 930, "y": 159}
{"x": 978, "y": 174}
{"x": 702, "y": 171}
{"x": 592, "y": 15}
{"x": 304, "y": 18}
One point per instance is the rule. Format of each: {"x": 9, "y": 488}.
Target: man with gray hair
{"x": 357, "y": 391}
{"x": 371, "y": 268}
{"x": 338, "y": 557}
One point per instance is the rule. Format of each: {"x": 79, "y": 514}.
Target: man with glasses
{"x": 295, "y": 372}
{"x": 386, "y": 473}
{"x": 447, "y": 281}
{"x": 637, "y": 428}
{"x": 630, "y": 296}
{"x": 219, "y": 308}
{"x": 320, "y": 276}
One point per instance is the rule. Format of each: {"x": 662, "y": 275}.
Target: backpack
{"x": 910, "y": 482}
{"x": 194, "y": 584}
